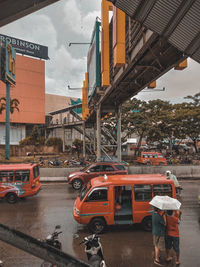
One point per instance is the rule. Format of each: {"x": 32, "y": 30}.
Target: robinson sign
{"x": 26, "y": 48}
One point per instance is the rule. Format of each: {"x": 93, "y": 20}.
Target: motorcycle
{"x": 41, "y": 162}
{"x": 52, "y": 240}
{"x": 55, "y": 162}
{"x": 94, "y": 251}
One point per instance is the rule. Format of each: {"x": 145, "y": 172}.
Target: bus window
{"x": 98, "y": 194}
{"x": 162, "y": 190}
{"x": 143, "y": 192}
{"x": 22, "y": 176}
{"x": 6, "y": 176}
{"x": 36, "y": 172}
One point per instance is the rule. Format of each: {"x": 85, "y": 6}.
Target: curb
{"x": 53, "y": 179}
{"x": 64, "y": 179}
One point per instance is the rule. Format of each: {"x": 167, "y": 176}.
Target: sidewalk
{"x": 53, "y": 179}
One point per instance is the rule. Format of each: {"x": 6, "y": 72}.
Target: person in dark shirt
{"x": 158, "y": 232}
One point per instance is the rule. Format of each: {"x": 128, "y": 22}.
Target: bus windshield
{"x": 85, "y": 190}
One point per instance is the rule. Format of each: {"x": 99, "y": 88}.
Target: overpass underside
{"x": 148, "y": 56}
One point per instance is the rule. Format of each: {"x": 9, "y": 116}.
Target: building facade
{"x": 30, "y": 92}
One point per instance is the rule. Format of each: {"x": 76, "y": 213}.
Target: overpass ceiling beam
{"x": 178, "y": 16}
{"x": 193, "y": 47}
{"x": 11, "y": 10}
{"x": 144, "y": 9}
{"x": 148, "y": 67}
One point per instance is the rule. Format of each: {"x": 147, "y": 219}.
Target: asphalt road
{"x": 123, "y": 246}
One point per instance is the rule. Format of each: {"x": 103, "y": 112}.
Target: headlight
{"x": 77, "y": 211}
{"x": 71, "y": 175}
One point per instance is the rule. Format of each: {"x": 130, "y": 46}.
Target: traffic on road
{"x": 122, "y": 245}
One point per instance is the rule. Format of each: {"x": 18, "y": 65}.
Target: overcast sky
{"x": 72, "y": 21}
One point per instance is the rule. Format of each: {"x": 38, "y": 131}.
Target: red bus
{"x": 19, "y": 181}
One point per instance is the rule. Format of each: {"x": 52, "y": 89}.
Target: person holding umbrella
{"x": 159, "y": 222}
{"x": 158, "y": 232}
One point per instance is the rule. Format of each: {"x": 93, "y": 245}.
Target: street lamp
{"x": 79, "y": 44}
{"x": 70, "y": 88}
{"x": 153, "y": 90}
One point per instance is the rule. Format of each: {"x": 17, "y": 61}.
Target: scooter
{"x": 52, "y": 240}
{"x": 55, "y": 162}
{"x": 94, "y": 251}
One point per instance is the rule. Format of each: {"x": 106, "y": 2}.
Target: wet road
{"x": 123, "y": 246}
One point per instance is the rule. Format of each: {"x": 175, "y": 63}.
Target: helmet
{"x": 168, "y": 173}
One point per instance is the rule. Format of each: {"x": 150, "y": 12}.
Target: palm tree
{"x": 14, "y": 103}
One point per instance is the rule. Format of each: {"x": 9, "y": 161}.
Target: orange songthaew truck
{"x": 120, "y": 199}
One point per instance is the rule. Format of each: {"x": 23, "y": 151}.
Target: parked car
{"x": 113, "y": 159}
{"x": 78, "y": 178}
{"x": 151, "y": 158}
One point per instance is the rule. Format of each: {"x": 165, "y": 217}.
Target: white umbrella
{"x": 165, "y": 203}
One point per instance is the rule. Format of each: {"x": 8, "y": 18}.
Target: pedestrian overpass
{"x": 159, "y": 36}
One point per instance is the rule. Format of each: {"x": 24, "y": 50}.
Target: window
{"x": 120, "y": 167}
{"x": 6, "y": 176}
{"x": 160, "y": 156}
{"x": 143, "y": 192}
{"x": 162, "y": 190}
{"x": 98, "y": 194}
{"x": 36, "y": 172}
{"x": 22, "y": 176}
{"x": 107, "y": 168}
{"x": 154, "y": 156}
{"x": 84, "y": 190}
{"x": 95, "y": 168}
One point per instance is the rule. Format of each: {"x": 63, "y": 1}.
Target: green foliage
{"x": 159, "y": 120}
{"x": 26, "y": 141}
{"x": 78, "y": 144}
{"x": 55, "y": 141}
{"x": 34, "y": 138}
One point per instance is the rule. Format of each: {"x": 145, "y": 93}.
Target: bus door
{"x": 22, "y": 181}
{"x": 123, "y": 205}
{"x": 141, "y": 207}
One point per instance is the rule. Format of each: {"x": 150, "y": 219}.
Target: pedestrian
{"x": 172, "y": 234}
{"x": 176, "y": 182}
{"x": 158, "y": 232}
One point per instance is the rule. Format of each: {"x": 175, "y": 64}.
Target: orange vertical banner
{"x": 118, "y": 37}
{"x": 105, "y": 64}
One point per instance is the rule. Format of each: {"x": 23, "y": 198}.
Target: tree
{"x": 189, "y": 115}
{"x": 79, "y": 146}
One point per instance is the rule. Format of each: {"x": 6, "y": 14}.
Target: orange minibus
{"x": 19, "y": 181}
{"x": 120, "y": 199}
{"x": 151, "y": 158}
